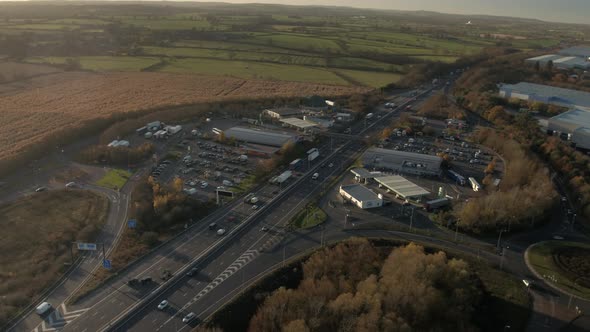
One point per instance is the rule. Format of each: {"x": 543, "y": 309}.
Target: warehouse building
{"x": 573, "y": 125}
{"x": 361, "y": 196}
{"x": 262, "y": 137}
{"x": 402, "y": 162}
{"x": 545, "y": 94}
{"x": 579, "y": 51}
{"x": 561, "y": 61}
{"x": 402, "y": 187}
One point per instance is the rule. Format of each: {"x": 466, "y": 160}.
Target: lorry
{"x": 458, "y": 178}
{"x": 295, "y": 164}
{"x": 436, "y": 204}
{"x": 474, "y": 184}
{"x": 283, "y": 177}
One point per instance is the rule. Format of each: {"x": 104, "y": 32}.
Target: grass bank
{"x": 114, "y": 179}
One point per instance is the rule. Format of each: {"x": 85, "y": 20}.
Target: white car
{"x": 43, "y": 308}
{"x": 189, "y": 317}
{"x": 70, "y": 184}
{"x": 331, "y": 165}
{"x": 221, "y": 231}
{"x": 163, "y": 305}
{"x": 204, "y": 185}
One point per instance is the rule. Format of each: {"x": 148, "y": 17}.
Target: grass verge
{"x": 114, "y": 179}
{"x": 36, "y": 242}
{"x": 542, "y": 259}
{"x": 309, "y": 217}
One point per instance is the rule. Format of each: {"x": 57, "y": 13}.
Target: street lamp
{"x": 500, "y": 237}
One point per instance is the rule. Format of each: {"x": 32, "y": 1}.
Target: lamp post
{"x": 500, "y": 237}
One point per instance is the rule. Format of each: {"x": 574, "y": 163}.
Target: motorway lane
{"x": 247, "y": 248}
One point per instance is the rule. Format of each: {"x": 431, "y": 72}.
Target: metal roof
{"x": 362, "y": 173}
{"x": 360, "y": 192}
{"x": 581, "y": 51}
{"x": 576, "y": 118}
{"x": 401, "y": 186}
{"x": 560, "y": 95}
{"x": 284, "y": 111}
{"x": 544, "y": 58}
{"x": 387, "y": 158}
{"x": 299, "y": 123}
{"x": 258, "y": 136}
{"x": 562, "y": 61}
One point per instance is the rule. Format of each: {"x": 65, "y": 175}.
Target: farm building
{"x": 154, "y": 126}
{"x": 361, "y": 196}
{"x": 545, "y": 94}
{"x": 402, "y": 187}
{"x": 402, "y": 162}
{"x": 280, "y": 113}
{"x": 303, "y": 125}
{"x": 262, "y": 137}
{"x": 560, "y": 61}
{"x": 574, "y": 124}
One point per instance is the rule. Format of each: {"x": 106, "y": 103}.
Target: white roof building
{"x": 361, "y": 196}
{"x": 545, "y": 94}
{"x": 576, "y": 123}
{"x": 401, "y": 161}
{"x": 402, "y": 187}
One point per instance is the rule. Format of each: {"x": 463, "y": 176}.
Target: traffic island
{"x": 562, "y": 264}
{"x": 309, "y": 217}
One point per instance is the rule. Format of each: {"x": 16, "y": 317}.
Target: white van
{"x": 43, "y": 308}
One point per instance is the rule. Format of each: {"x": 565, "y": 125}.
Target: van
{"x": 43, "y": 308}
{"x": 315, "y": 176}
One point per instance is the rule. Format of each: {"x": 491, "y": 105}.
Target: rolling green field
{"x": 325, "y": 45}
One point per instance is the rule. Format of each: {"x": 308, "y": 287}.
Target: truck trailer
{"x": 436, "y": 204}
{"x": 474, "y": 184}
{"x": 283, "y": 177}
{"x": 458, "y": 178}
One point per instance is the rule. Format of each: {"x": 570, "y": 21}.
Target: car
{"x": 163, "y": 305}
{"x": 192, "y": 272}
{"x": 70, "y": 184}
{"x": 145, "y": 280}
{"x": 221, "y": 231}
{"x": 43, "y": 308}
{"x": 254, "y": 207}
{"x": 188, "y": 318}
{"x": 204, "y": 185}
{"x": 264, "y": 229}
{"x": 331, "y": 165}
{"x": 40, "y": 189}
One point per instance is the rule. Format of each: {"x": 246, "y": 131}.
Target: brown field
{"x": 53, "y": 103}
{"x": 37, "y": 233}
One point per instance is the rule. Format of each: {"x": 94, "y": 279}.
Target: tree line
{"x": 351, "y": 287}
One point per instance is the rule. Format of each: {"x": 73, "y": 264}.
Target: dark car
{"x": 166, "y": 274}
{"x": 145, "y": 280}
{"x": 192, "y": 272}
{"x": 133, "y": 282}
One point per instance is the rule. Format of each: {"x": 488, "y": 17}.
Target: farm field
{"x": 53, "y": 103}
{"x": 37, "y": 232}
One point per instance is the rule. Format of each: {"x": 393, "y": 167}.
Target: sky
{"x": 569, "y": 11}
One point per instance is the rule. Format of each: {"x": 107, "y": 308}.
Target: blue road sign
{"x": 132, "y": 223}
{"x": 86, "y": 246}
{"x": 106, "y": 264}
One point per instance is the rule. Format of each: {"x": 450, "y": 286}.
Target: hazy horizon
{"x": 566, "y": 11}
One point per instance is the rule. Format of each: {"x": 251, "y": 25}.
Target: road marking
{"x": 59, "y": 318}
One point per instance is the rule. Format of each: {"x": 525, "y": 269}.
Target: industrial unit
{"x": 363, "y": 175}
{"x": 361, "y": 196}
{"x": 402, "y": 162}
{"x": 545, "y": 94}
{"x": 573, "y": 125}
{"x": 402, "y": 187}
{"x": 262, "y": 137}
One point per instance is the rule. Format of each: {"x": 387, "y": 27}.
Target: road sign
{"x": 131, "y": 223}
{"x": 106, "y": 263}
{"x": 86, "y": 246}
